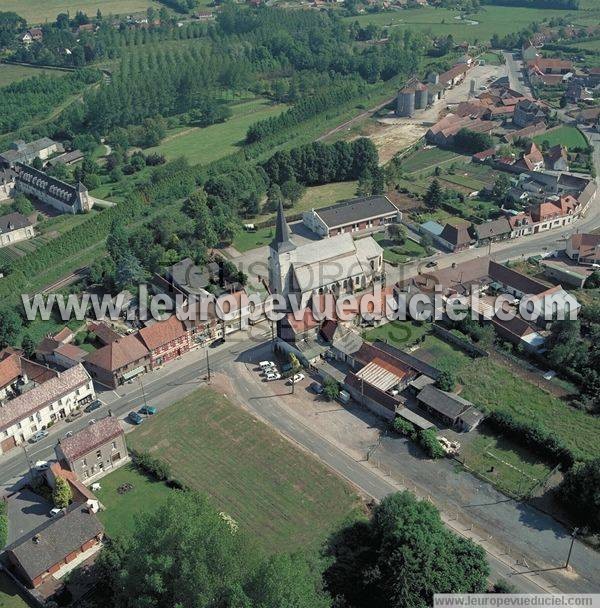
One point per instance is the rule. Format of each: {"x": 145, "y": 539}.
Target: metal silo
{"x": 406, "y": 102}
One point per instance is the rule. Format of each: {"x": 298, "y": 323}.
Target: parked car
{"x": 431, "y": 264}
{"x": 272, "y": 376}
{"x": 42, "y": 465}
{"x": 94, "y": 405}
{"x": 74, "y": 415}
{"x": 54, "y": 512}
{"x": 266, "y": 365}
{"x": 217, "y": 342}
{"x": 316, "y": 388}
{"x": 38, "y": 436}
{"x": 147, "y": 410}
{"x": 296, "y": 378}
{"x": 135, "y": 418}
{"x": 344, "y": 397}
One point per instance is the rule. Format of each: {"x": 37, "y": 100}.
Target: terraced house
{"x": 37, "y": 405}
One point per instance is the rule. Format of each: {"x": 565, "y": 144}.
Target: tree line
{"x": 540, "y": 4}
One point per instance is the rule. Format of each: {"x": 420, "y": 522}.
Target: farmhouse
{"x": 54, "y": 192}
{"x": 531, "y": 159}
{"x": 51, "y": 547}
{"x": 443, "y": 132}
{"x": 119, "y": 361}
{"x": 354, "y": 215}
{"x": 455, "y": 237}
{"x": 338, "y": 264}
{"x": 494, "y": 230}
{"x": 35, "y": 34}
{"x": 33, "y": 409}
{"x": 449, "y": 408}
{"x": 26, "y": 153}
{"x": 528, "y": 112}
{"x": 15, "y": 227}
{"x": 93, "y": 451}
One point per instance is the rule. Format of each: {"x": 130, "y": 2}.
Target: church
{"x": 338, "y": 265}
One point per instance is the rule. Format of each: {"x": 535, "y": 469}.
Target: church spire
{"x": 282, "y": 241}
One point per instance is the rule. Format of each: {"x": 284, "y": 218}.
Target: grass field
{"x": 398, "y": 333}
{"x": 478, "y": 26}
{"x": 244, "y": 241}
{"x": 203, "y": 145}
{"x": 281, "y": 496}
{"x": 396, "y": 253}
{"x": 9, "y": 594}
{"x": 428, "y": 158}
{"x": 14, "y": 73}
{"x": 492, "y": 385}
{"x": 40, "y": 11}
{"x": 570, "y": 137}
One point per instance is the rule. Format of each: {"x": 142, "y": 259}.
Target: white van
{"x": 344, "y": 397}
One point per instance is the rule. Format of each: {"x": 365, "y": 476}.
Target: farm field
{"x": 9, "y": 594}
{"x": 40, "y": 11}
{"x": 479, "y": 26}
{"x": 394, "y": 253}
{"x": 570, "y": 137}
{"x": 282, "y": 497}
{"x": 203, "y": 145}
{"x": 15, "y": 73}
{"x": 492, "y": 385}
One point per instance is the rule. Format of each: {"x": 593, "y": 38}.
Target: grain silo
{"x": 420, "y": 96}
{"x": 405, "y": 103}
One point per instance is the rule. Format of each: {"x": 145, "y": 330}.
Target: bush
{"x": 3, "y": 525}
{"x": 429, "y": 442}
{"x": 160, "y": 470}
{"x": 404, "y": 427}
{"x": 446, "y": 382}
{"x": 62, "y": 494}
{"x": 331, "y": 389}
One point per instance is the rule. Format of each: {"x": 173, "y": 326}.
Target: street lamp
{"x": 573, "y": 535}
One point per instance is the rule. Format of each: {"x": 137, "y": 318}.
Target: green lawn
{"x": 491, "y": 58}
{"x": 40, "y": 11}
{"x": 398, "y": 333}
{"x": 429, "y": 158}
{"x": 570, "y": 137}
{"x": 9, "y": 594}
{"x": 121, "y": 509}
{"x": 492, "y": 385}
{"x": 399, "y": 254}
{"x": 244, "y": 241}
{"x": 463, "y": 180}
{"x": 489, "y": 20}
{"x": 14, "y": 73}
{"x": 316, "y": 197}
{"x": 509, "y": 466}
{"x": 280, "y": 495}
{"x": 203, "y": 145}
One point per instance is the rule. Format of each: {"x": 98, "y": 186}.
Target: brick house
{"x": 93, "y": 451}
{"x": 50, "y": 547}
{"x": 165, "y": 340}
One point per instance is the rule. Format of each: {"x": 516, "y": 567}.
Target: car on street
{"x": 272, "y": 376}
{"x": 54, "y": 512}
{"x": 147, "y": 410}
{"x": 94, "y": 405}
{"x": 316, "y": 388}
{"x": 42, "y": 465}
{"x": 431, "y": 264}
{"x": 38, "y": 436}
{"x": 217, "y": 342}
{"x": 135, "y": 418}
{"x": 296, "y": 378}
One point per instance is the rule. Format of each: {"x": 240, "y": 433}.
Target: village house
{"x": 492, "y": 231}
{"x": 43, "y": 404}
{"x": 527, "y": 112}
{"x": 7, "y": 182}
{"x": 443, "y": 132}
{"x": 354, "y": 215}
{"x": 35, "y": 34}
{"x": 584, "y": 248}
{"x": 556, "y": 158}
{"x": 118, "y": 361}
{"x": 93, "y": 451}
{"x": 54, "y": 192}
{"x": 48, "y": 550}
{"x": 165, "y": 340}
{"x": 14, "y": 228}
{"x": 532, "y": 159}
{"x": 26, "y": 153}
{"x": 455, "y": 237}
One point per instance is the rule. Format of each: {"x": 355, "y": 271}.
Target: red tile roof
{"x": 118, "y": 354}
{"x": 10, "y": 369}
{"x": 90, "y": 438}
{"x": 158, "y": 334}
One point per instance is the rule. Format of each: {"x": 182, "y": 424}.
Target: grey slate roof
{"x": 281, "y": 242}
{"x": 56, "y": 538}
{"x": 53, "y": 187}
{"x": 447, "y": 404}
{"x": 13, "y": 221}
{"x": 507, "y": 276}
{"x": 491, "y": 229}
{"x": 356, "y": 210}
{"x": 25, "y": 152}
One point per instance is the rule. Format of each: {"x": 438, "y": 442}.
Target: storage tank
{"x": 405, "y": 105}
{"x": 420, "y": 97}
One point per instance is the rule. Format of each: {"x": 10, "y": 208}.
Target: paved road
{"x": 515, "y": 74}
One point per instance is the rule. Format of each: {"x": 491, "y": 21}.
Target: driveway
{"x": 26, "y": 511}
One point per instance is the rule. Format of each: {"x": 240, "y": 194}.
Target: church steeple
{"x": 282, "y": 241}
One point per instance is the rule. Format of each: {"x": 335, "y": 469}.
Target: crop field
{"x": 284, "y": 498}
{"x": 429, "y": 158}
{"x": 40, "y": 11}
{"x": 465, "y": 181}
{"x": 478, "y": 26}
{"x": 203, "y": 145}
{"x": 492, "y": 385}
{"x": 570, "y": 137}
{"x": 15, "y": 73}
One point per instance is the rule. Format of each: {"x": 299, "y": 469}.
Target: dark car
{"x": 316, "y": 388}
{"x": 135, "y": 418}
{"x": 94, "y": 405}
{"x": 147, "y": 410}
{"x": 217, "y": 342}
{"x": 431, "y": 264}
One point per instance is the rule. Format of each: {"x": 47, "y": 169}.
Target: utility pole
{"x": 207, "y": 365}
{"x": 143, "y": 392}
{"x": 28, "y": 462}
{"x": 575, "y": 530}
